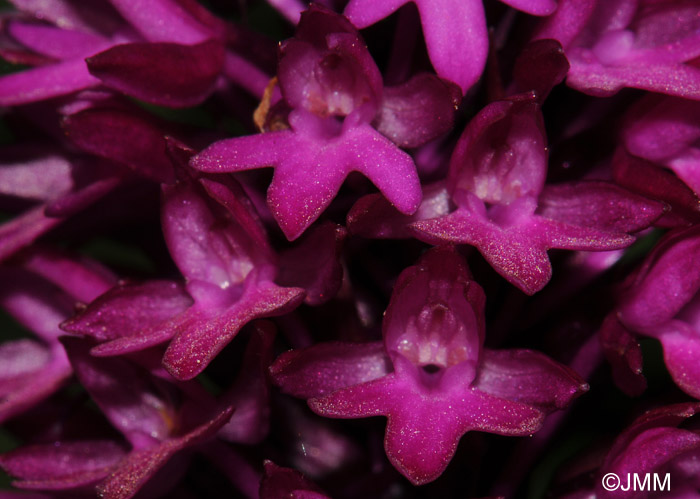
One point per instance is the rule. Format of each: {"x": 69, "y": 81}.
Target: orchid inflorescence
{"x": 481, "y": 220}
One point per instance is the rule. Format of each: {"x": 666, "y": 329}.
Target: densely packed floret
{"x": 274, "y": 248}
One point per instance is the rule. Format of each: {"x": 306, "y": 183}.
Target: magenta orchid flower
{"x": 455, "y": 31}
{"x": 164, "y": 53}
{"x": 432, "y": 378}
{"x": 142, "y": 408}
{"x": 655, "y": 443}
{"x": 222, "y": 251}
{"x": 495, "y": 199}
{"x": 334, "y": 89}
{"x": 39, "y": 295}
{"x": 662, "y": 301}
{"x": 174, "y": 66}
{"x": 174, "y": 176}
{"x": 661, "y": 444}
{"x": 628, "y": 43}
{"x": 221, "y": 248}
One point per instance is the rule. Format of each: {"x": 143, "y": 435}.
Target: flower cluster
{"x": 481, "y": 220}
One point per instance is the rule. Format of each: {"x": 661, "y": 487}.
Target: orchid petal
{"x": 194, "y": 348}
{"x": 310, "y": 168}
{"x": 243, "y": 153}
{"x": 567, "y": 21}
{"x": 653, "y": 448}
{"x": 456, "y": 38}
{"x": 33, "y": 387}
{"x": 534, "y": 7}
{"x": 659, "y": 129}
{"x": 593, "y": 78}
{"x": 578, "y": 237}
{"x": 63, "y": 465}
{"x": 362, "y": 13}
{"x": 515, "y": 254}
{"x": 203, "y": 248}
{"x": 668, "y": 416}
{"x": 144, "y": 339}
{"x": 501, "y": 156}
{"x": 356, "y": 401}
{"x": 667, "y": 282}
{"x": 96, "y": 16}
{"x": 389, "y": 168}
{"x": 19, "y": 358}
{"x": 162, "y": 21}
{"x": 540, "y": 66}
{"x": 602, "y": 205}
{"x": 39, "y": 178}
{"x": 417, "y": 111}
{"x": 519, "y": 375}
{"x": 421, "y": 438}
{"x": 139, "y": 466}
{"x": 57, "y": 43}
{"x": 421, "y": 441}
{"x": 681, "y": 350}
{"x": 23, "y": 230}
{"x": 123, "y": 137}
{"x": 45, "y": 82}
{"x": 165, "y": 74}
{"x": 326, "y": 367}
{"x": 34, "y": 303}
{"x": 234, "y": 198}
{"x": 296, "y": 202}
{"x": 655, "y": 182}
{"x": 125, "y": 309}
